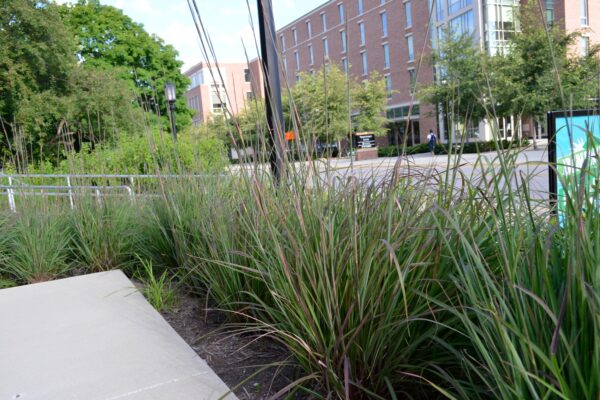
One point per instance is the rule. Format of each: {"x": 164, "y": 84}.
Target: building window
{"x": 324, "y": 21}
{"x": 309, "y": 29}
{"x": 382, "y": 2}
{"x": 246, "y": 75}
{"x": 386, "y": 56}
{"x": 345, "y": 65}
{"x": 585, "y": 46}
{"x": 463, "y": 24}
{"x": 411, "y": 48}
{"x": 218, "y": 100}
{"x": 297, "y": 61}
{"x": 194, "y": 103}
{"x": 365, "y": 67}
{"x": 388, "y": 86}
{"x": 384, "y": 26}
{"x": 282, "y": 42}
{"x": 360, "y": 7}
{"x": 408, "y": 13}
{"x": 501, "y": 25}
{"x": 584, "y": 12}
{"x": 325, "y": 48}
{"x": 439, "y": 9}
{"x": 455, "y": 6}
{"x": 284, "y": 60}
{"x": 344, "y": 43}
{"x": 311, "y": 54}
{"x": 361, "y": 28}
{"x": 549, "y": 12}
{"x": 249, "y": 96}
{"x": 295, "y": 33}
{"x": 412, "y": 78}
{"x": 196, "y": 80}
{"x": 341, "y": 13}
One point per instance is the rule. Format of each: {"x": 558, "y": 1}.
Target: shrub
{"x": 466, "y": 148}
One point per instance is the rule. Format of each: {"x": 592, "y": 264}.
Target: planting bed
{"x": 236, "y": 358}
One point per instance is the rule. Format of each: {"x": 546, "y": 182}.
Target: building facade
{"x": 395, "y": 37}
{"x": 229, "y": 87}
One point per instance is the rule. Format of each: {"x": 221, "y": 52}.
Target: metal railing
{"x": 79, "y": 185}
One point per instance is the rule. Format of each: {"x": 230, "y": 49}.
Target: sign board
{"x": 574, "y": 145}
{"x": 241, "y": 154}
{"x": 363, "y": 141}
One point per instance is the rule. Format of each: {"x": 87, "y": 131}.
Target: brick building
{"x": 229, "y": 87}
{"x": 394, "y": 37}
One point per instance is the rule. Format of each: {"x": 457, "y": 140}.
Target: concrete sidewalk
{"x": 95, "y": 337}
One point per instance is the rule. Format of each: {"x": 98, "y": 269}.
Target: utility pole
{"x": 274, "y": 109}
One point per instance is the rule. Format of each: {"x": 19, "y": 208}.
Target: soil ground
{"x": 236, "y": 358}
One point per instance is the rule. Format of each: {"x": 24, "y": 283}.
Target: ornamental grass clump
{"x": 338, "y": 274}
{"x": 104, "y": 234}
{"x": 38, "y": 245}
{"x": 528, "y": 301}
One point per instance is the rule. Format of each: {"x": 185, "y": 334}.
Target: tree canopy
{"x": 78, "y": 73}
{"x": 521, "y": 81}
{"x": 326, "y": 100}
{"x": 109, "y": 39}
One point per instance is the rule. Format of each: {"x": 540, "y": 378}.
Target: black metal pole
{"x": 274, "y": 109}
{"x": 173, "y": 127}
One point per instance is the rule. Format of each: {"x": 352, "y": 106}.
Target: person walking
{"x": 431, "y": 141}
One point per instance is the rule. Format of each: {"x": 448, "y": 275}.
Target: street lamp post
{"x": 171, "y": 97}
{"x": 274, "y": 107}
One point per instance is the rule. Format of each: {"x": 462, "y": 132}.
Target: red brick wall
{"x": 396, "y": 40}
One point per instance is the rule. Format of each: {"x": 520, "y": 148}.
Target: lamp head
{"x": 170, "y": 92}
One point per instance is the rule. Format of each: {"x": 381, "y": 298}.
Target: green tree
{"x": 49, "y": 103}
{"x": 538, "y": 56}
{"x": 321, "y": 101}
{"x": 462, "y": 88}
{"x": 370, "y": 99}
{"x": 521, "y": 81}
{"x": 108, "y": 39}
{"x": 325, "y": 100}
{"x": 250, "y": 124}
{"x": 35, "y": 61}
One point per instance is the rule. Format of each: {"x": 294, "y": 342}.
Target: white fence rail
{"x": 78, "y": 185}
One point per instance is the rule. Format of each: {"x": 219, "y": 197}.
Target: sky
{"x": 227, "y": 23}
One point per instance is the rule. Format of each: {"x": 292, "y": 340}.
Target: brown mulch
{"x": 237, "y": 358}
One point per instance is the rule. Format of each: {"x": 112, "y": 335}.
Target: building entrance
{"x": 400, "y": 132}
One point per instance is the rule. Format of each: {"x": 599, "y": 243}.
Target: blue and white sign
{"x": 574, "y": 147}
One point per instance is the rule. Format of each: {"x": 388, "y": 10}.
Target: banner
{"x": 573, "y": 155}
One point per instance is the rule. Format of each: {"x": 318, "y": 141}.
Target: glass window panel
{"x": 361, "y": 27}
{"x": 365, "y": 67}
{"x": 386, "y": 56}
{"x": 411, "y": 48}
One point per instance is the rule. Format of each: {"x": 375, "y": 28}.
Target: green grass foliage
{"x": 433, "y": 285}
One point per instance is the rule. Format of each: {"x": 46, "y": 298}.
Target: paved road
{"x": 532, "y": 165}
